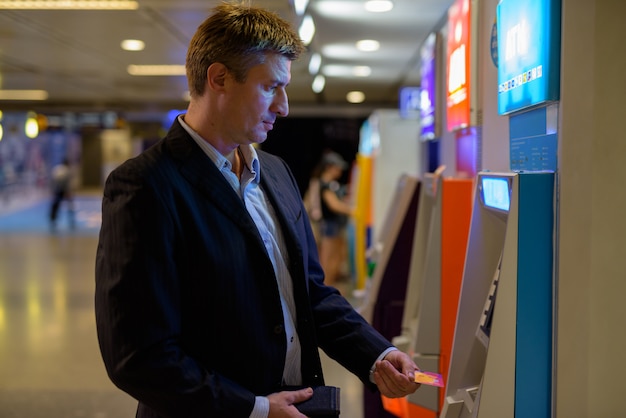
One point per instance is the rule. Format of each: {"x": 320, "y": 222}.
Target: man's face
{"x": 250, "y": 109}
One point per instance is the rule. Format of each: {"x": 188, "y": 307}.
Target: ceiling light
{"x": 133, "y": 45}
{"x": 318, "y": 83}
{"x": 69, "y": 4}
{"x": 307, "y": 29}
{"x": 355, "y": 97}
{"x": 338, "y": 8}
{"x": 368, "y": 45}
{"x": 361, "y": 71}
{"x": 338, "y": 70}
{"x": 341, "y": 52}
{"x": 300, "y": 6}
{"x": 315, "y": 63}
{"x": 23, "y": 95}
{"x": 156, "y": 70}
{"x": 378, "y": 6}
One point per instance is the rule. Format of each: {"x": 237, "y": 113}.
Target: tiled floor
{"x": 50, "y": 365}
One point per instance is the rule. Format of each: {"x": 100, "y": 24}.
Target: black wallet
{"x": 323, "y": 404}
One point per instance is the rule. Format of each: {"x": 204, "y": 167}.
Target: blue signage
{"x": 529, "y": 50}
{"x": 533, "y": 139}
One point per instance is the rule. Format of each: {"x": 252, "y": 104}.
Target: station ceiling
{"x": 75, "y": 56}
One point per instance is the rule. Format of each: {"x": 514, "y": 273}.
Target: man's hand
{"x": 282, "y": 403}
{"x": 395, "y": 375}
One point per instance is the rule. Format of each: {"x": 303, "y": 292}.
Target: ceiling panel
{"x": 76, "y": 55}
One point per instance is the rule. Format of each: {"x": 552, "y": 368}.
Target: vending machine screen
{"x": 495, "y": 193}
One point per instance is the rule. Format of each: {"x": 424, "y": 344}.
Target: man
{"x": 210, "y": 299}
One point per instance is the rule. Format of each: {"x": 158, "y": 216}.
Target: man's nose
{"x": 281, "y": 103}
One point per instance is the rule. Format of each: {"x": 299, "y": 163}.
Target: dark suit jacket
{"x": 187, "y": 306}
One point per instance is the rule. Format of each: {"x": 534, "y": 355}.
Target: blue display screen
{"x": 496, "y": 193}
{"x": 529, "y": 49}
{"x": 410, "y": 102}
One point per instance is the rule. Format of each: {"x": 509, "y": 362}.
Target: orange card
{"x": 429, "y": 378}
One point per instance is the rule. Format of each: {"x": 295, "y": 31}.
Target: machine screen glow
{"x": 496, "y": 193}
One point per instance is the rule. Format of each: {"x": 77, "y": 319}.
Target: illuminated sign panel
{"x": 428, "y": 92}
{"x": 410, "y": 102}
{"x": 529, "y": 43}
{"x": 458, "y": 68}
{"x": 468, "y": 143}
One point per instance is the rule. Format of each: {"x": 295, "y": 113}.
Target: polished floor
{"x": 50, "y": 366}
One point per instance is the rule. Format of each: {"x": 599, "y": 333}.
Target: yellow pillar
{"x": 362, "y": 219}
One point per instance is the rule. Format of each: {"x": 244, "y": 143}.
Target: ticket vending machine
{"x": 431, "y": 299}
{"x": 502, "y": 363}
{"x": 383, "y": 300}
{"x": 419, "y": 252}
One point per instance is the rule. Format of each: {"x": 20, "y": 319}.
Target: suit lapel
{"x": 273, "y": 187}
{"x": 200, "y": 171}
{"x": 287, "y": 211}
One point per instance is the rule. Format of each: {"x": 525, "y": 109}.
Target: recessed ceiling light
{"x": 355, "y": 97}
{"x": 338, "y": 70}
{"x": 338, "y": 8}
{"x": 340, "y": 51}
{"x": 318, "y": 83}
{"x": 300, "y": 6}
{"x": 156, "y": 70}
{"x": 378, "y": 6}
{"x": 307, "y": 29}
{"x": 69, "y": 4}
{"x": 23, "y": 95}
{"x": 362, "y": 71}
{"x": 348, "y": 71}
{"x": 314, "y": 63}
{"x": 368, "y": 45}
{"x": 133, "y": 45}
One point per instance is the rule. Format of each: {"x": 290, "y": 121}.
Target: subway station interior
{"x": 485, "y": 156}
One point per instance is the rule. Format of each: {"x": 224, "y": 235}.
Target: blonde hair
{"x": 239, "y": 37}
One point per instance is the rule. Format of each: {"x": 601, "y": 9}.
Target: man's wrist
{"x": 261, "y": 407}
{"x": 380, "y": 357}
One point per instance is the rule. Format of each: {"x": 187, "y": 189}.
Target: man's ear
{"x": 216, "y": 75}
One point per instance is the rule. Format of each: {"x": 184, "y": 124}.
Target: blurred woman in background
{"x": 334, "y": 217}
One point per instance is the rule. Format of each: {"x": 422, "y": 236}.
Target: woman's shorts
{"x": 331, "y": 228}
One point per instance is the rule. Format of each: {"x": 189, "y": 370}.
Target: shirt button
{"x": 279, "y": 329}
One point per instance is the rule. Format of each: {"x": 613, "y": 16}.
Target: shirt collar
{"x": 250, "y": 156}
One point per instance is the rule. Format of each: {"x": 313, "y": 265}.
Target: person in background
{"x": 334, "y": 217}
{"x": 312, "y": 203}
{"x": 61, "y": 179}
{"x": 210, "y": 300}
